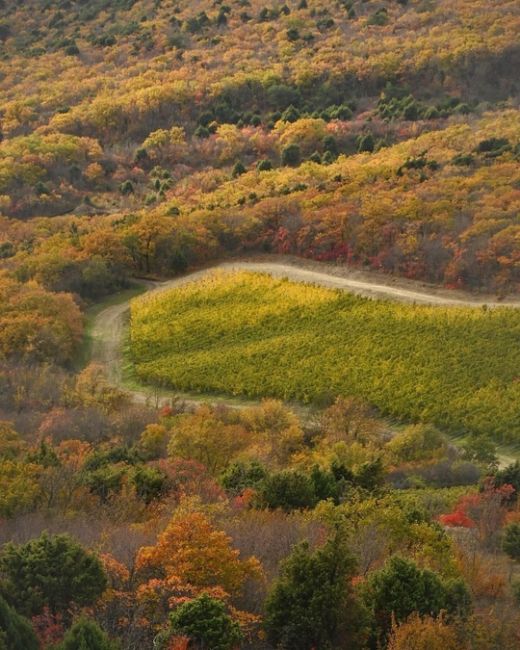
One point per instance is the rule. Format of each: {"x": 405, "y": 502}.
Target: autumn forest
{"x": 259, "y": 325}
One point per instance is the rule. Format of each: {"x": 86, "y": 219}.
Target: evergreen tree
{"x": 330, "y": 144}
{"x": 401, "y": 588}
{"x": 50, "y": 571}
{"x": 16, "y": 632}
{"x": 311, "y": 604}
{"x": 264, "y": 165}
{"x": 205, "y": 621}
{"x": 288, "y": 490}
{"x": 291, "y": 155}
{"x": 366, "y": 143}
{"x": 238, "y": 169}
{"x": 86, "y": 635}
{"x": 291, "y": 114}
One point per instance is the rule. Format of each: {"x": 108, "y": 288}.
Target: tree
{"x": 423, "y": 634}
{"x": 197, "y": 556}
{"x": 11, "y": 445}
{"x": 85, "y": 634}
{"x": 16, "y": 632}
{"x": 126, "y": 188}
{"x": 511, "y": 541}
{"x": 328, "y": 158}
{"x": 370, "y": 475}
{"x": 264, "y": 165}
{"x": 206, "y": 622}
{"x": 418, "y": 442}
{"x": 291, "y": 155}
{"x": 105, "y": 481}
{"x": 50, "y": 571}
{"x": 149, "y": 483}
{"x": 293, "y": 34}
{"x": 288, "y": 490}
{"x": 400, "y": 589}
{"x": 366, "y": 143}
{"x": 201, "y": 436}
{"x": 307, "y": 133}
{"x": 239, "y": 476}
{"x": 311, "y": 605}
{"x": 19, "y": 487}
{"x": 153, "y": 441}
{"x": 349, "y": 420}
{"x": 330, "y": 144}
{"x": 291, "y": 114}
{"x": 36, "y": 324}
{"x": 238, "y": 169}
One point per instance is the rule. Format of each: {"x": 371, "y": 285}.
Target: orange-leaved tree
{"x": 423, "y": 634}
{"x": 191, "y": 557}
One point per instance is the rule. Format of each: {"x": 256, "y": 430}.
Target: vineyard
{"x": 251, "y": 335}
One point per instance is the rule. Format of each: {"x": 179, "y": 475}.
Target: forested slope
{"x": 142, "y": 138}
{"x": 158, "y": 108}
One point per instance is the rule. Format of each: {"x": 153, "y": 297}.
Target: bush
{"x": 126, "y": 188}
{"x": 239, "y": 476}
{"x": 400, "y": 589}
{"x": 149, "y": 483}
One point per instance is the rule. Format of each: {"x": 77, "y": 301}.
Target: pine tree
{"x": 311, "y": 604}
{"x": 16, "y": 632}
{"x": 50, "y": 571}
{"x": 86, "y": 635}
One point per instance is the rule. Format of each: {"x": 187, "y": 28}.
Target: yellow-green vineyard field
{"x": 252, "y": 335}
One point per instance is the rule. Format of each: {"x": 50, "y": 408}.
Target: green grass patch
{"x": 251, "y": 335}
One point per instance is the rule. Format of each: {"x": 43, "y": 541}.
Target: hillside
{"x": 340, "y": 469}
{"x": 159, "y": 108}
